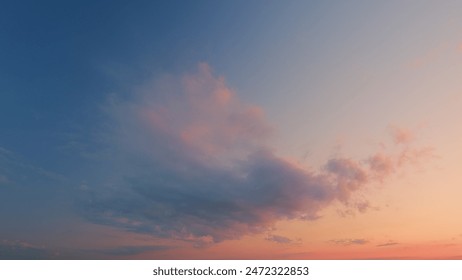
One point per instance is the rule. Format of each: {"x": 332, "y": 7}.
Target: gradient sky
{"x": 230, "y": 130}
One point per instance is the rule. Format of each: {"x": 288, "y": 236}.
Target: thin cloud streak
{"x": 388, "y": 244}
{"x": 20, "y": 250}
{"x": 281, "y": 239}
{"x": 126, "y": 251}
{"x": 347, "y": 242}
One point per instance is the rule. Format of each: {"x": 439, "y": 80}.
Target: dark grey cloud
{"x": 184, "y": 158}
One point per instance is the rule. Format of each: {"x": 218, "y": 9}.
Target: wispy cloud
{"x": 384, "y": 163}
{"x": 347, "y": 242}
{"x": 20, "y": 250}
{"x": 186, "y": 159}
{"x": 17, "y": 171}
{"x": 281, "y": 239}
{"x": 388, "y": 244}
{"x": 125, "y": 251}
{"x": 401, "y": 135}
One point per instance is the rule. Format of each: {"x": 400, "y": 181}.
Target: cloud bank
{"x": 186, "y": 159}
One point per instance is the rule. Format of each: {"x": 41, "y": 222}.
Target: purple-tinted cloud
{"x": 186, "y": 159}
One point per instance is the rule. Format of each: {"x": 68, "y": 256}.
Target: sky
{"x": 230, "y": 129}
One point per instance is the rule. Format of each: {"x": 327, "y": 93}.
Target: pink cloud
{"x": 401, "y": 135}
{"x": 189, "y": 160}
{"x": 381, "y": 165}
{"x": 205, "y": 115}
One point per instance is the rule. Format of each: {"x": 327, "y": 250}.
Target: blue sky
{"x": 153, "y": 129}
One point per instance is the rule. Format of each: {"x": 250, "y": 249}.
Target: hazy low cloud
{"x": 281, "y": 239}
{"x": 20, "y": 250}
{"x": 186, "y": 159}
{"x": 125, "y": 251}
{"x": 388, "y": 244}
{"x": 347, "y": 242}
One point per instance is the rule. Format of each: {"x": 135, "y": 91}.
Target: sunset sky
{"x": 231, "y": 129}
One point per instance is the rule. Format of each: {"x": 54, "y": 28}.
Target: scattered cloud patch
{"x": 385, "y": 162}
{"x": 388, "y": 244}
{"x": 382, "y": 165}
{"x": 348, "y": 176}
{"x": 280, "y": 239}
{"x": 355, "y": 206}
{"x": 347, "y": 242}
{"x": 401, "y": 135}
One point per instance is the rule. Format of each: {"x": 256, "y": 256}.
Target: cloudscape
{"x": 230, "y": 130}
